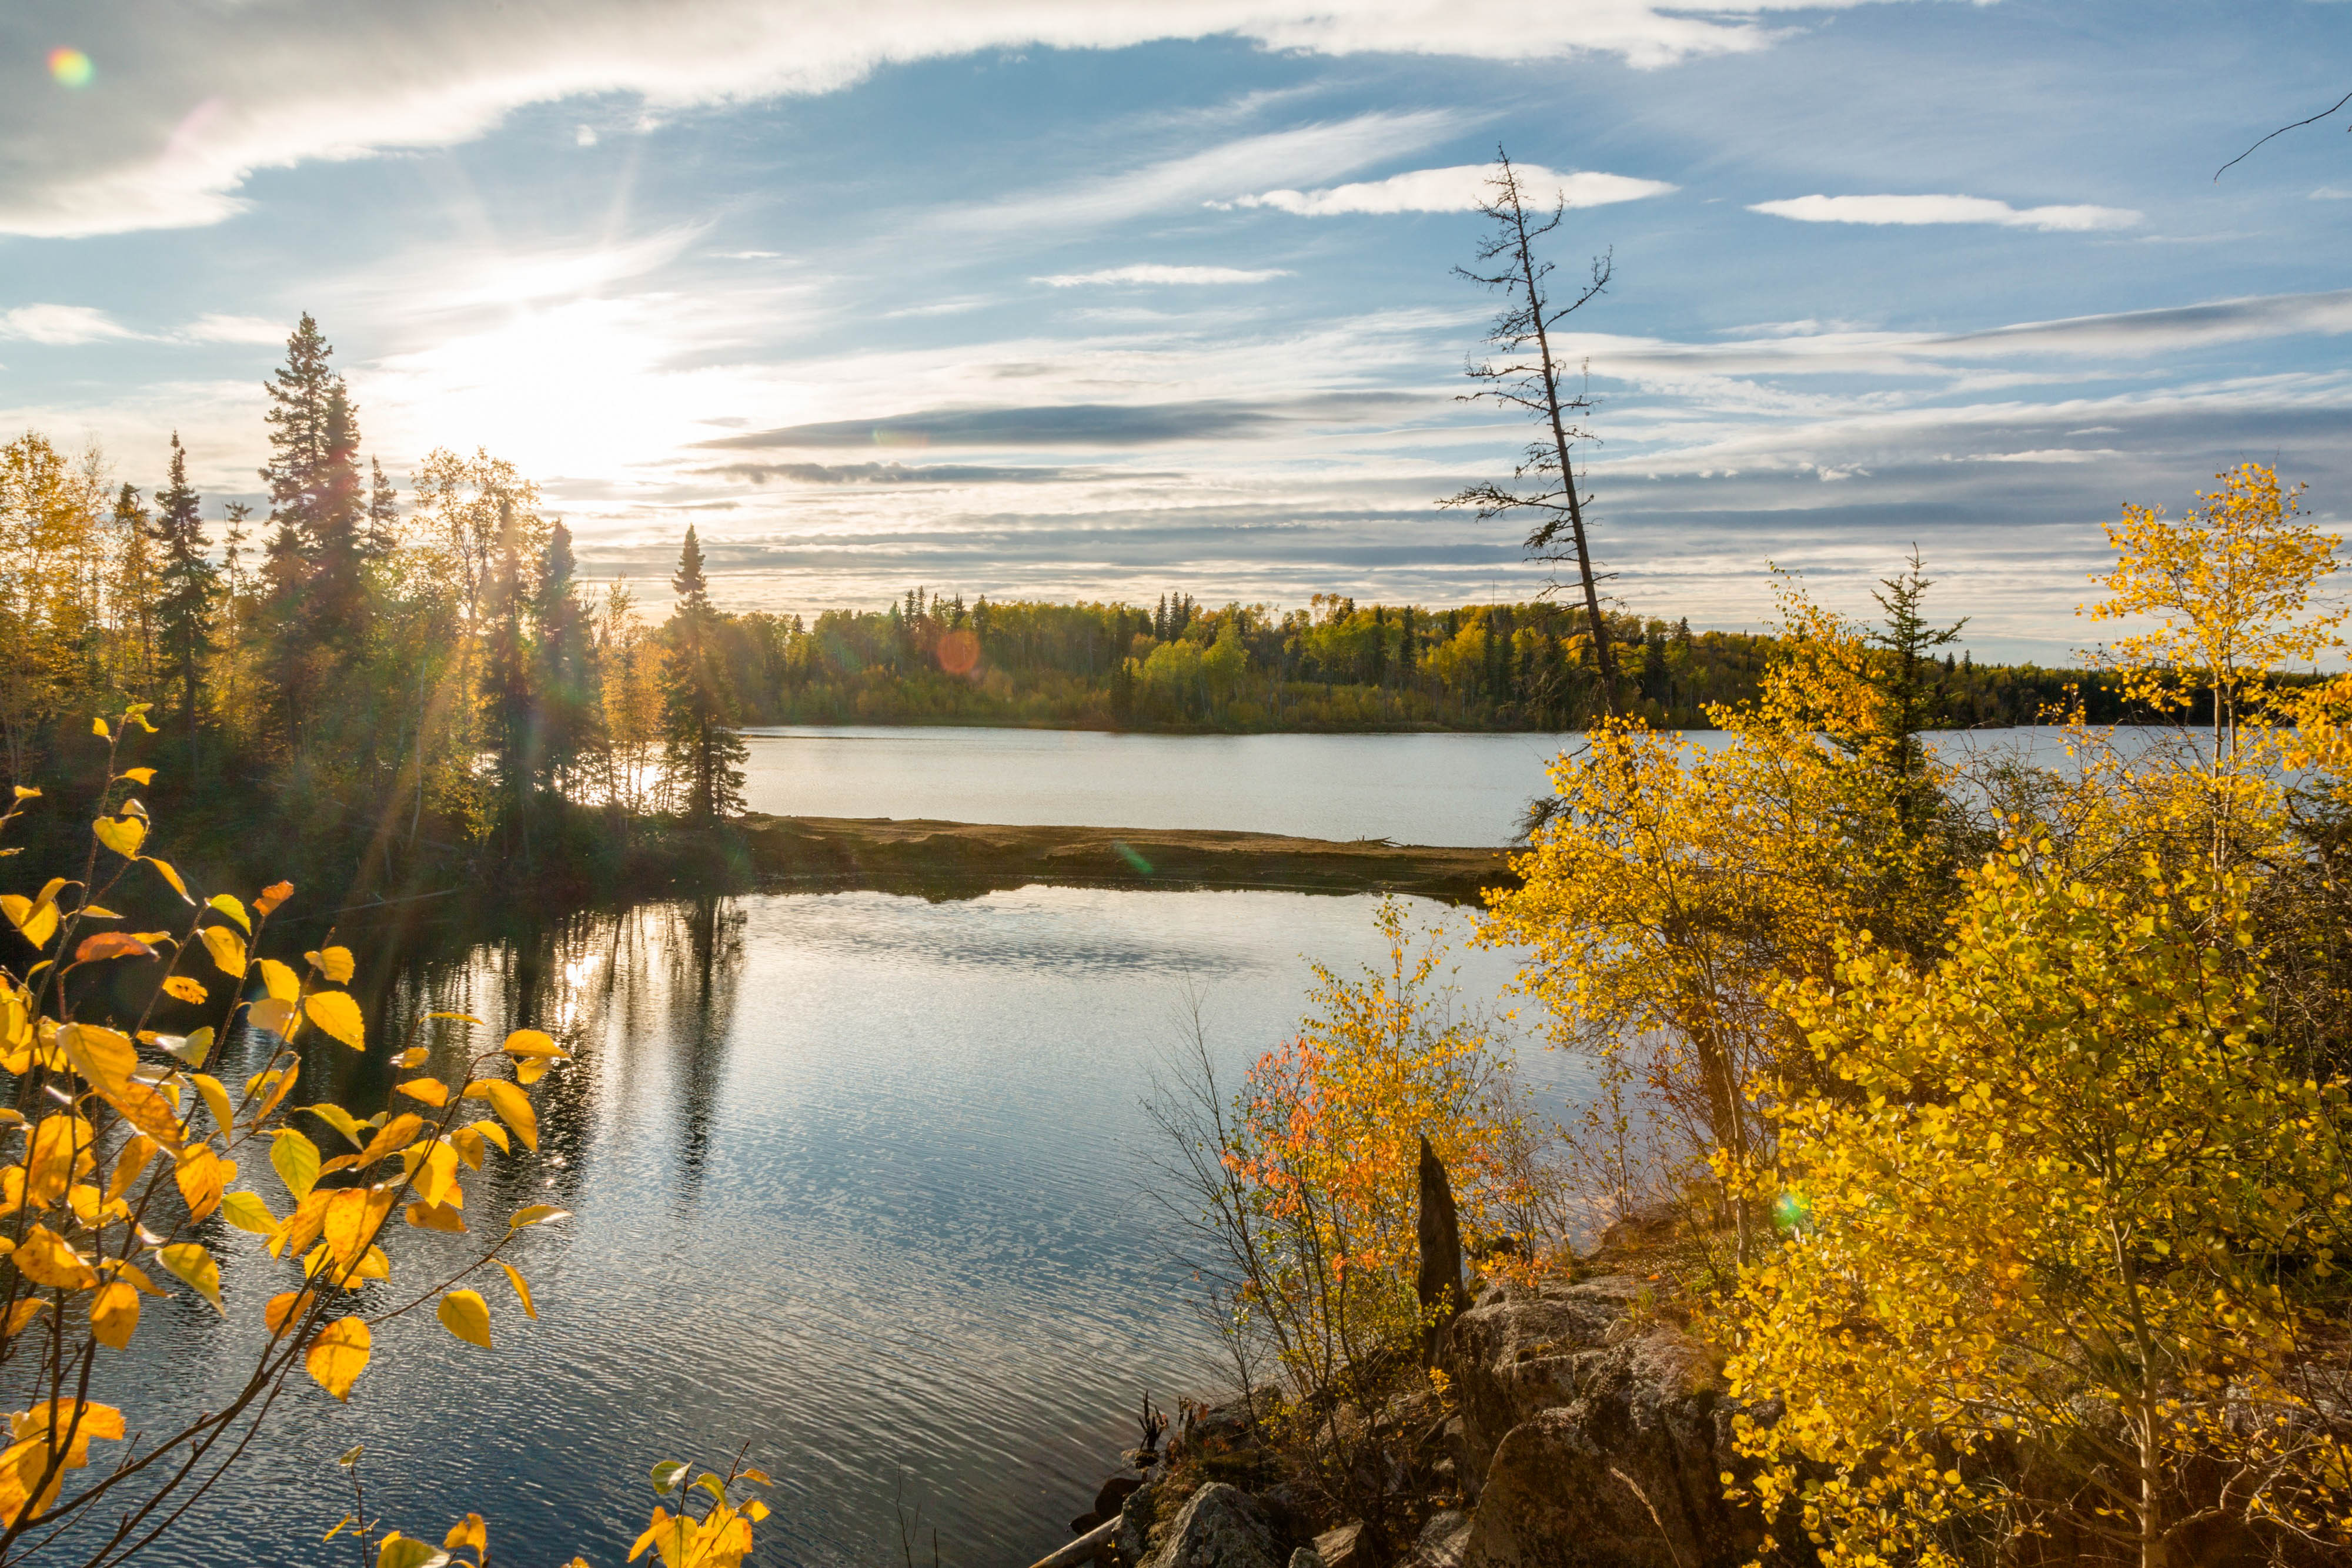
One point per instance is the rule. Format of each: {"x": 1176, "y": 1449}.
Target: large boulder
{"x": 1516, "y": 1353}
{"x": 1601, "y": 1440}
{"x": 1220, "y": 1526}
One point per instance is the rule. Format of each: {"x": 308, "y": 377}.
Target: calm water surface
{"x": 860, "y": 1181}
{"x": 1412, "y": 788}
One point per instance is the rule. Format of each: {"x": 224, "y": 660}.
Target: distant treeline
{"x": 1334, "y": 666}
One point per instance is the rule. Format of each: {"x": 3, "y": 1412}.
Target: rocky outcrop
{"x": 1220, "y": 1526}
{"x": 1600, "y": 1441}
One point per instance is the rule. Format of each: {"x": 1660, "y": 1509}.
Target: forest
{"x": 402, "y": 681}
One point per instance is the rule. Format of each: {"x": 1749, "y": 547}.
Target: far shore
{"x": 958, "y": 859}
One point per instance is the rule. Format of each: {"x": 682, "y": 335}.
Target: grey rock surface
{"x": 1601, "y": 1441}
{"x": 1220, "y": 1526}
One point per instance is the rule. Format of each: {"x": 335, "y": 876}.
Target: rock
{"x": 1343, "y": 1547}
{"x": 1442, "y": 1541}
{"x": 1112, "y": 1496}
{"x": 1594, "y": 1441}
{"x": 1305, "y": 1558}
{"x": 1220, "y": 1526}
{"x": 1514, "y": 1353}
{"x": 1627, "y": 1476}
{"x": 1133, "y": 1537}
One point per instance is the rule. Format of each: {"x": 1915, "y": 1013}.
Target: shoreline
{"x": 947, "y": 859}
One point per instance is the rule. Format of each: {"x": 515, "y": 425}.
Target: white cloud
{"x": 1150, "y": 272}
{"x": 212, "y": 93}
{"x": 1455, "y": 190}
{"x": 1303, "y": 154}
{"x": 1907, "y": 210}
{"x": 214, "y": 326}
{"x": 584, "y": 136}
{"x": 2332, "y": 193}
{"x": 61, "y": 325}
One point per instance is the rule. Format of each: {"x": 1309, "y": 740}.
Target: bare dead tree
{"x": 1525, "y": 375}
{"x": 2281, "y": 130}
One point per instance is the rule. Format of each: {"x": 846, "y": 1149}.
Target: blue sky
{"x": 1094, "y": 299}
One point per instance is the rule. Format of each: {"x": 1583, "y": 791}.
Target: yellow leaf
{"x": 142, "y": 776}
{"x": 537, "y": 1214}
{"x": 521, "y": 1291}
{"x": 435, "y": 1176}
{"x": 296, "y": 1158}
{"x": 353, "y": 1217}
{"x": 530, "y": 1069}
{"x": 114, "y": 1314}
{"x": 400, "y": 1551}
{"x": 335, "y": 1012}
{"x": 393, "y": 1135}
{"x": 215, "y": 1099}
{"x": 123, "y": 835}
{"x": 432, "y": 1091}
{"x": 493, "y": 1132}
{"x": 47, "y": 1259}
{"x": 435, "y": 1217}
{"x": 192, "y": 1263}
{"x": 61, "y": 1145}
{"x": 226, "y": 904}
{"x": 202, "y": 1176}
{"x": 270, "y": 897}
{"x": 532, "y": 1042}
{"x": 247, "y": 1212}
{"x": 164, "y": 870}
{"x": 467, "y": 1531}
{"x": 281, "y": 981}
{"x": 514, "y": 1109}
{"x": 182, "y": 988}
{"x": 335, "y": 963}
{"x": 226, "y": 948}
{"x": 20, "y": 1314}
{"x": 285, "y": 1308}
{"x": 136, "y": 1152}
{"x": 466, "y": 1316}
{"x": 338, "y": 1355}
{"x": 270, "y": 1013}
{"x": 410, "y": 1058}
{"x": 36, "y": 920}
{"x": 97, "y": 728}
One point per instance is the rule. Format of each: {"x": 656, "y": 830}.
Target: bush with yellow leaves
{"x": 126, "y": 1184}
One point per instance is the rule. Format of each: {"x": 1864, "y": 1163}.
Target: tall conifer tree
{"x": 702, "y": 755}
{"x": 190, "y": 585}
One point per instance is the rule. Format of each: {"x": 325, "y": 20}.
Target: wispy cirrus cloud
{"x": 1913, "y": 210}
{"x": 1304, "y": 153}
{"x": 173, "y": 127}
{"x": 1152, "y": 273}
{"x": 214, "y": 326}
{"x": 61, "y": 326}
{"x": 1455, "y": 190}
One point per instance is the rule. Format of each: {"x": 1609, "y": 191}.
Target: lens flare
{"x": 71, "y": 67}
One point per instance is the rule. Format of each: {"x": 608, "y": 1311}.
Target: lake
{"x": 1455, "y": 789}
{"x": 861, "y": 1180}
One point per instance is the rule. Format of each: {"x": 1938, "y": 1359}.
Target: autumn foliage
{"x": 138, "y": 1167}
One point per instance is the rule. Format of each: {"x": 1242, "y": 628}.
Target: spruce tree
{"x": 382, "y": 512}
{"x": 190, "y": 585}
{"x": 701, "y": 754}
{"x": 507, "y": 694}
{"x": 565, "y": 683}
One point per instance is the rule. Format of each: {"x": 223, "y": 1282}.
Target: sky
{"x": 1101, "y": 299}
